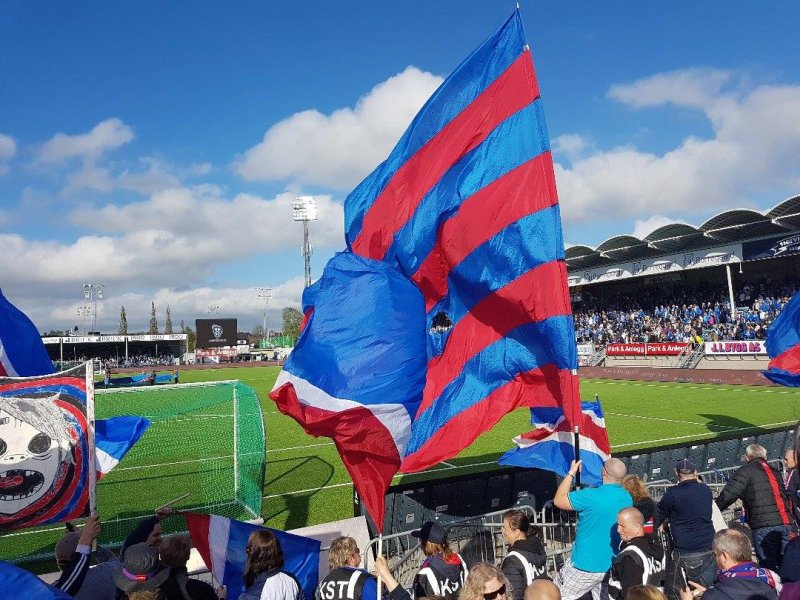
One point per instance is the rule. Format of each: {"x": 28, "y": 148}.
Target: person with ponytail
{"x": 443, "y": 572}
{"x": 526, "y": 559}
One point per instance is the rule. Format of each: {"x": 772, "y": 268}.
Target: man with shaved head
{"x": 597, "y": 540}
{"x": 542, "y": 589}
{"x": 641, "y": 559}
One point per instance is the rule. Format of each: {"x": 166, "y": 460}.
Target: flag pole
{"x": 380, "y": 553}
{"x": 576, "y": 440}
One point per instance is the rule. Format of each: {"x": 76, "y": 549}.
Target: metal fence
{"x": 480, "y": 539}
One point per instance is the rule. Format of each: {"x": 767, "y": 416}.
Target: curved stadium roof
{"x": 730, "y": 226}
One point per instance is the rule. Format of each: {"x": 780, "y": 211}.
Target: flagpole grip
{"x": 576, "y": 440}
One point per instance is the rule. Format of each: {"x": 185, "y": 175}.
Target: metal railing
{"x": 597, "y": 357}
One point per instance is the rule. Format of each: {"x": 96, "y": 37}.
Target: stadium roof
{"x": 730, "y": 226}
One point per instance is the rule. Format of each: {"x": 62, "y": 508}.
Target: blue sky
{"x": 155, "y": 147}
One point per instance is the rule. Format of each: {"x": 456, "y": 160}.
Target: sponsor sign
{"x": 773, "y": 247}
{"x": 744, "y": 347}
{"x": 95, "y": 339}
{"x": 216, "y": 333}
{"x": 203, "y": 352}
{"x": 585, "y": 349}
{"x": 651, "y": 349}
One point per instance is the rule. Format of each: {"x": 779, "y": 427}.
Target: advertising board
{"x": 732, "y": 348}
{"x": 216, "y": 333}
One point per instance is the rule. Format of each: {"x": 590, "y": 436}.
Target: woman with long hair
{"x": 642, "y": 501}
{"x": 443, "y": 572}
{"x": 263, "y": 574}
{"x": 526, "y": 559}
{"x": 486, "y": 582}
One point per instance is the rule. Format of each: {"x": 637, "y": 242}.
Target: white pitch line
{"x": 683, "y": 437}
{"x": 728, "y": 387}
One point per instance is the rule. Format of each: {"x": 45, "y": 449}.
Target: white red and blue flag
{"x": 465, "y": 210}
{"x": 551, "y": 445}
{"x": 783, "y": 346}
{"x": 22, "y": 353}
{"x": 222, "y": 543}
{"x": 113, "y": 438}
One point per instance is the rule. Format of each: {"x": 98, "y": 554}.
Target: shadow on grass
{"x": 313, "y": 472}
{"x": 721, "y": 423}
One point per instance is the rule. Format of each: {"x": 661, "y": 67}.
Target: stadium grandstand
{"x": 142, "y": 350}
{"x": 684, "y": 289}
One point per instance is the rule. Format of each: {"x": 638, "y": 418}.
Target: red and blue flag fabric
{"x": 22, "y": 353}
{"x": 550, "y": 446}
{"x": 222, "y": 543}
{"x": 44, "y": 449}
{"x": 113, "y": 439}
{"x": 783, "y": 346}
{"x": 465, "y": 211}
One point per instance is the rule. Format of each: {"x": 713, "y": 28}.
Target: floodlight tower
{"x": 304, "y": 209}
{"x": 93, "y": 292}
{"x": 213, "y": 309}
{"x": 265, "y": 294}
{"x": 83, "y": 312}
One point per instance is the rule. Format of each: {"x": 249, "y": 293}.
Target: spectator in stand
{"x": 597, "y": 540}
{"x": 687, "y": 508}
{"x": 485, "y": 582}
{"x": 99, "y": 581}
{"x": 264, "y": 576}
{"x": 645, "y": 592}
{"x": 139, "y": 571}
{"x": 174, "y": 552}
{"x": 790, "y": 571}
{"x": 739, "y": 578}
{"x": 761, "y": 490}
{"x": 542, "y": 589}
{"x": 791, "y": 482}
{"x": 346, "y": 581}
{"x": 526, "y": 559}
{"x": 641, "y": 559}
{"x": 443, "y": 572}
{"x": 642, "y": 501}
{"x": 76, "y": 566}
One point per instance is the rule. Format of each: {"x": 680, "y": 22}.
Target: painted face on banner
{"x": 34, "y": 449}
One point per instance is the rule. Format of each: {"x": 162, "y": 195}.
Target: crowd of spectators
{"x": 684, "y": 313}
{"x": 627, "y": 547}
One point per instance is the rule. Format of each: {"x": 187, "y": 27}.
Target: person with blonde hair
{"x": 346, "y": 581}
{"x": 642, "y": 501}
{"x": 443, "y": 571}
{"x": 645, "y": 592}
{"x": 485, "y": 582}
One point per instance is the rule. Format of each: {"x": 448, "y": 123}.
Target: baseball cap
{"x": 431, "y": 532}
{"x": 685, "y": 466}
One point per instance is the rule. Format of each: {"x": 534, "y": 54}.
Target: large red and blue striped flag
{"x": 783, "y": 346}
{"x": 465, "y": 209}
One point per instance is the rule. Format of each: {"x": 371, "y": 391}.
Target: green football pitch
{"x": 305, "y": 482}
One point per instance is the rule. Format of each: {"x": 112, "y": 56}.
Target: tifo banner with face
{"x": 45, "y": 448}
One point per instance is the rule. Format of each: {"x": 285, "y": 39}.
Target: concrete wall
{"x": 744, "y": 362}
{"x": 663, "y": 362}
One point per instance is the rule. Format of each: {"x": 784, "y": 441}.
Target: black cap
{"x": 685, "y": 466}
{"x": 140, "y": 569}
{"x": 431, "y": 532}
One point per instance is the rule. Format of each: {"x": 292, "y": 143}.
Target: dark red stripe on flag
{"x": 534, "y": 296}
{"x": 509, "y": 93}
{"x": 366, "y": 447}
{"x": 520, "y": 192}
{"x": 199, "y": 526}
{"x": 776, "y": 492}
{"x": 557, "y": 387}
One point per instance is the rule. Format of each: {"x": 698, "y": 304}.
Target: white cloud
{"x": 8, "y": 146}
{"x": 571, "y": 145}
{"x": 340, "y": 149}
{"x": 153, "y": 175}
{"x": 89, "y": 147}
{"x": 694, "y": 87}
{"x": 643, "y": 228}
{"x": 753, "y": 147}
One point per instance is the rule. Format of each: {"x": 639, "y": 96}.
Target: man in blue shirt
{"x": 597, "y": 540}
{"x": 686, "y": 507}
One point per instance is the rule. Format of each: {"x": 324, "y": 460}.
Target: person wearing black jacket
{"x": 792, "y": 483}
{"x": 526, "y": 559}
{"x": 763, "y": 494}
{"x": 641, "y": 559}
{"x": 443, "y": 572}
